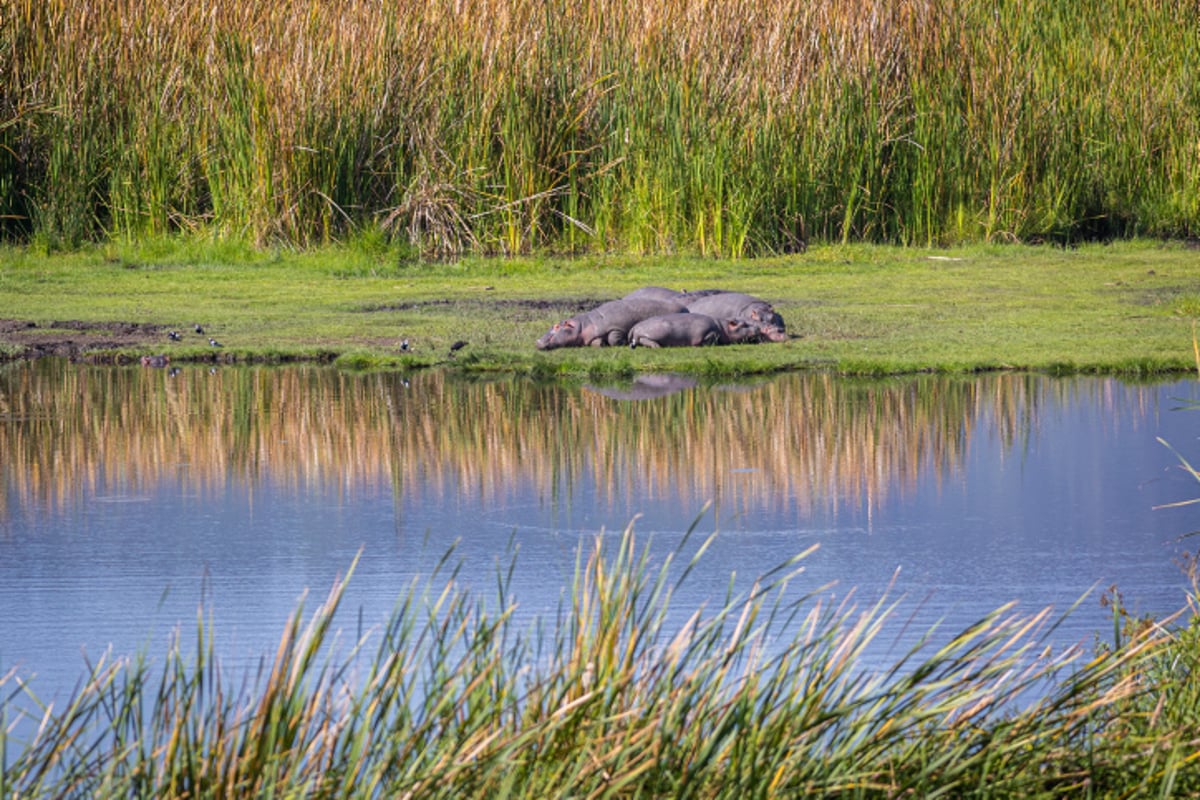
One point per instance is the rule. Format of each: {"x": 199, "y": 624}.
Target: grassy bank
{"x": 1125, "y": 308}
{"x": 758, "y": 697}
{"x": 637, "y": 127}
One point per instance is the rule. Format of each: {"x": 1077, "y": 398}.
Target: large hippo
{"x": 691, "y": 330}
{"x": 735, "y": 305}
{"x": 606, "y": 324}
{"x": 654, "y": 293}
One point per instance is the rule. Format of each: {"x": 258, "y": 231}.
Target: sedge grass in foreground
{"x": 759, "y": 697}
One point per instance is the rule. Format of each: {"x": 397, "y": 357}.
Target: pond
{"x": 131, "y": 496}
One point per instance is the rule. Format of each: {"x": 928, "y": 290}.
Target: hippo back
{"x": 655, "y": 293}
{"x": 606, "y": 324}
{"x": 613, "y": 320}
{"x": 676, "y": 330}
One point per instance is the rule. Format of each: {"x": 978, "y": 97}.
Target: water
{"x": 132, "y": 496}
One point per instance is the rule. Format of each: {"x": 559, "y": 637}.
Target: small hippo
{"x": 735, "y": 305}
{"x": 606, "y": 324}
{"x": 156, "y": 361}
{"x": 691, "y": 330}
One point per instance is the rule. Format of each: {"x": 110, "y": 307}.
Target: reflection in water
{"x": 647, "y": 387}
{"x": 124, "y": 489}
{"x": 809, "y": 440}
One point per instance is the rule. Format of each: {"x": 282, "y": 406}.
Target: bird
{"x": 404, "y": 345}
{"x": 459, "y": 345}
{"x": 173, "y": 336}
{"x": 198, "y": 329}
{"x": 214, "y": 342}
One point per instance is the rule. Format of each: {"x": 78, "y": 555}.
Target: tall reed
{"x": 763, "y": 695}
{"x": 541, "y": 124}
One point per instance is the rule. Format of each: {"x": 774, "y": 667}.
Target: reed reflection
{"x": 71, "y": 432}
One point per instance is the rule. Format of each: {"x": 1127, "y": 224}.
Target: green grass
{"x": 1125, "y": 308}
{"x": 757, "y": 696}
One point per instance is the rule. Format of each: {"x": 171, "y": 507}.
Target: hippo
{"x": 654, "y": 293}
{"x": 156, "y": 361}
{"x": 691, "y": 330}
{"x": 606, "y": 324}
{"x": 735, "y": 305}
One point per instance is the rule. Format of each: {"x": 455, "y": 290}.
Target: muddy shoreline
{"x": 125, "y": 342}
{"x": 104, "y": 343}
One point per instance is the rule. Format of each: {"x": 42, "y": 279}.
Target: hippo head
{"x": 544, "y": 341}
{"x": 563, "y": 334}
{"x": 764, "y": 314}
{"x": 773, "y": 333}
{"x": 739, "y": 330}
{"x": 769, "y": 322}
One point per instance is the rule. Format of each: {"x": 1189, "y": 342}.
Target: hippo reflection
{"x": 647, "y": 387}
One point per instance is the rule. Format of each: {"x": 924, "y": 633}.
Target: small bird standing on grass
{"x": 174, "y": 336}
{"x": 404, "y": 345}
{"x": 214, "y": 342}
{"x": 198, "y": 329}
{"x": 459, "y": 345}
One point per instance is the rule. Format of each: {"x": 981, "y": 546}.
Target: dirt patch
{"x": 573, "y": 304}
{"x": 1164, "y": 295}
{"x": 519, "y": 310}
{"x": 76, "y": 340}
